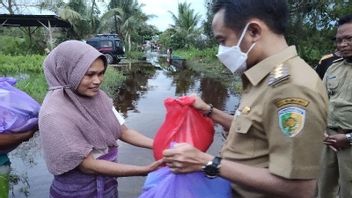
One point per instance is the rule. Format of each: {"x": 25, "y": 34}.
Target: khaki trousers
{"x": 335, "y": 174}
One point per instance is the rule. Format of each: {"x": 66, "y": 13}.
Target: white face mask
{"x": 232, "y": 57}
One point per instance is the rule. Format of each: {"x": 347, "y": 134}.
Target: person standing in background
{"x": 336, "y": 173}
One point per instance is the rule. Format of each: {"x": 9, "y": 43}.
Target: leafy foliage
{"x": 21, "y": 64}
{"x": 311, "y": 26}
{"x": 126, "y": 18}
{"x": 15, "y": 41}
{"x": 113, "y": 79}
{"x": 184, "y": 32}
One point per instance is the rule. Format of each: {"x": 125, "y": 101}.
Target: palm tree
{"x": 126, "y": 17}
{"x": 82, "y": 15}
{"x": 185, "y": 24}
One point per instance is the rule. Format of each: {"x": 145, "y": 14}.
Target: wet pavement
{"x": 140, "y": 100}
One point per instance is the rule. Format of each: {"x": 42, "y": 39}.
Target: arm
{"x": 8, "y": 141}
{"x": 135, "y": 138}
{"x": 185, "y": 158}
{"x": 103, "y": 167}
{"x": 261, "y": 180}
{"x": 217, "y": 115}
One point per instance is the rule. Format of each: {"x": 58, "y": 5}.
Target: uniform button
{"x": 238, "y": 128}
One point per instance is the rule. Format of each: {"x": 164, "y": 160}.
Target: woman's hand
{"x": 153, "y": 166}
{"x": 90, "y": 165}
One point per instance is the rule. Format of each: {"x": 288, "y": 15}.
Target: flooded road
{"x": 140, "y": 100}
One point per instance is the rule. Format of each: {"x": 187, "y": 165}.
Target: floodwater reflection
{"x": 183, "y": 82}
{"x": 133, "y": 87}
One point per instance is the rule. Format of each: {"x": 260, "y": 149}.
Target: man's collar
{"x": 259, "y": 71}
{"x": 348, "y": 60}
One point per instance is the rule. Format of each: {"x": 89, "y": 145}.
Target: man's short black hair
{"x": 345, "y": 19}
{"x": 237, "y": 13}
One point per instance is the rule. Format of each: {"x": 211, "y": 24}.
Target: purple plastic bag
{"x": 163, "y": 183}
{"x": 18, "y": 111}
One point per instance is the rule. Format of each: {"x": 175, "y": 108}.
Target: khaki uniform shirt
{"x": 281, "y": 120}
{"x": 339, "y": 85}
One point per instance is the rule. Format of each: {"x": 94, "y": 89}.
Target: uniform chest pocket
{"x": 242, "y": 124}
{"x": 332, "y": 82}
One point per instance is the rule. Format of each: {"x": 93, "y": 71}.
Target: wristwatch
{"x": 349, "y": 138}
{"x": 211, "y": 169}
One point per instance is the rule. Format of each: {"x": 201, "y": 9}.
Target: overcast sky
{"x": 161, "y": 9}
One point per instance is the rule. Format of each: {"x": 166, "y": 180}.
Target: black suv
{"x": 110, "y": 45}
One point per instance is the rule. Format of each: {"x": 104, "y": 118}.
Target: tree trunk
{"x": 92, "y": 16}
{"x": 129, "y": 43}
{"x": 115, "y": 19}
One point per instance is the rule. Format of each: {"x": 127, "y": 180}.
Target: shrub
{"x": 21, "y": 64}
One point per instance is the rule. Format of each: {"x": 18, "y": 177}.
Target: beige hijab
{"x": 72, "y": 125}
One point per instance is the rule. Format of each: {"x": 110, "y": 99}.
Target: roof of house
{"x": 18, "y": 20}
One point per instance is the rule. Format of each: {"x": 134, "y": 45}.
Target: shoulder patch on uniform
{"x": 291, "y": 120}
{"x": 337, "y": 60}
{"x": 278, "y": 75}
{"x": 291, "y": 100}
{"x": 327, "y": 56}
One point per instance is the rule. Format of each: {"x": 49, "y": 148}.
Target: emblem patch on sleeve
{"x": 291, "y": 120}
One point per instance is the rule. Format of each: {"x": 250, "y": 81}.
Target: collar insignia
{"x": 246, "y": 109}
{"x": 278, "y": 75}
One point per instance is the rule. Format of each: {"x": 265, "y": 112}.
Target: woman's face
{"x": 90, "y": 83}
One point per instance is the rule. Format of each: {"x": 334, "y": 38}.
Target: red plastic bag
{"x": 183, "y": 123}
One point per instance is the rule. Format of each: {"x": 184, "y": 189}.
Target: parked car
{"x": 110, "y": 45}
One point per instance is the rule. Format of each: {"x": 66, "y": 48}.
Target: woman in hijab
{"x": 79, "y": 126}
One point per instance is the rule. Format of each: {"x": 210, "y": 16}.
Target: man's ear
{"x": 255, "y": 30}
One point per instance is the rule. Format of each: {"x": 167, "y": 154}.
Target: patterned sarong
{"x": 77, "y": 184}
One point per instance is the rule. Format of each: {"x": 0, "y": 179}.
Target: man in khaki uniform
{"x": 274, "y": 142}
{"x": 337, "y": 154}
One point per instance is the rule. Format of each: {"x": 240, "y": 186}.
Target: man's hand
{"x": 336, "y": 142}
{"x": 10, "y": 141}
{"x": 199, "y": 104}
{"x": 184, "y": 158}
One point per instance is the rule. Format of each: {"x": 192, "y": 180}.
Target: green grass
{"x": 200, "y": 54}
{"x": 112, "y": 81}
{"x": 34, "y": 85}
{"x": 21, "y": 64}
{"x": 134, "y": 55}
